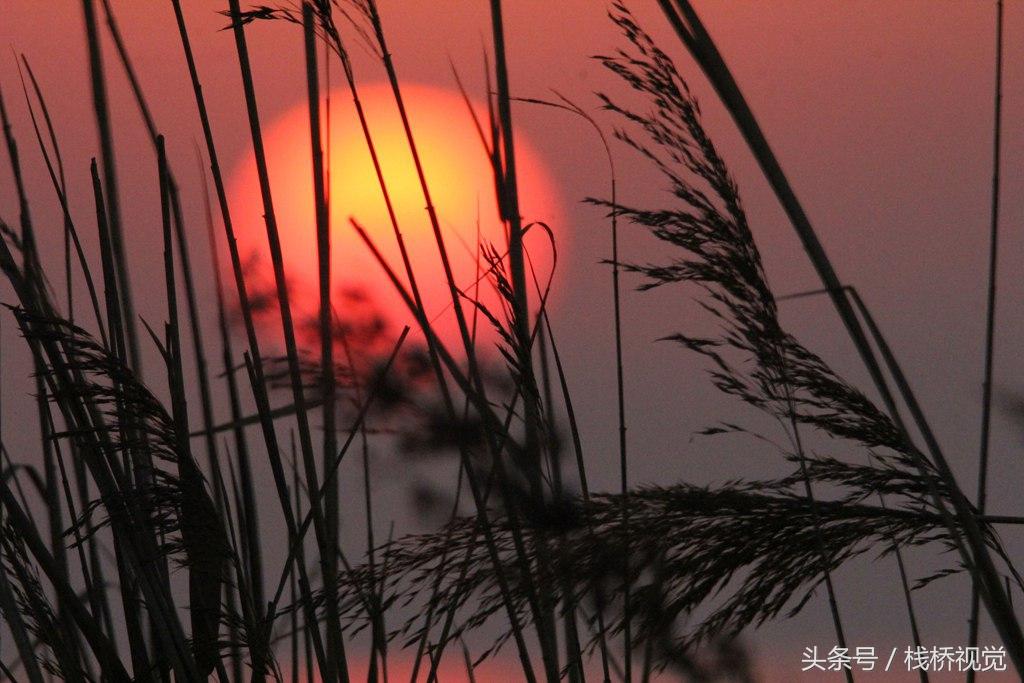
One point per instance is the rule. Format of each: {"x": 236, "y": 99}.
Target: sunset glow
{"x": 499, "y": 668}
{"x": 280, "y": 400}
{"x": 461, "y": 185}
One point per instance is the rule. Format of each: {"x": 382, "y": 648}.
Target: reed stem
{"x": 990, "y": 314}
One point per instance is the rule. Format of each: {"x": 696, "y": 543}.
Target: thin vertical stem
{"x": 328, "y": 541}
{"x": 58, "y": 180}
{"x": 102, "y": 110}
{"x": 335, "y": 666}
{"x": 253, "y": 357}
{"x": 833, "y": 603}
{"x": 509, "y": 204}
{"x": 990, "y": 316}
{"x": 199, "y": 354}
{"x": 474, "y": 486}
{"x": 249, "y": 521}
{"x": 473, "y": 386}
{"x": 623, "y": 460}
{"x": 915, "y": 632}
{"x": 876, "y": 334}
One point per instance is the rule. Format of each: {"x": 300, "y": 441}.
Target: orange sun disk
{"x": 462, "y": 190}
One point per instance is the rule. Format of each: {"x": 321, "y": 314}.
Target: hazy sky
{"x": 879, "y": 111}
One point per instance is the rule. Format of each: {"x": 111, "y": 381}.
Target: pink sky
{"x": 879, "y": 111}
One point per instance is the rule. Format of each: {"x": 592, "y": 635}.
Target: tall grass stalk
{"x": 474, "y": 386}
{"x": 9, "y": 608}
{"x": 335, "y": 666}
{"x": 330, "y": 479}
{"x": 254, "y": 358}
{"x": 129, "y": 598}
{"x": 962, "y": 522}
{"x": 508, "y": 200}
{"x": 60, "y": 189}
{"x": 52, "y": 491}
{"x": 830, "y": 590}
{"x": 566, "y": 105}
{"x": 478, "y": 496}
{"x": 990, "y": 312}
{"x": 880, "y": 342}
{"x": 551, "y": 565}
{"x": 195, "y": 328}
{"x": 248, "y": 511}
{"x": 329, "y": 540}
{"x": 103, "y": 123}
{"x": 101, "y": 647}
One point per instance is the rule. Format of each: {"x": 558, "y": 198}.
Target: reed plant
{"x": 126, "y": 557}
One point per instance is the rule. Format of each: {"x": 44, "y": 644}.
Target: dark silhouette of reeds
{"x": 564, "y": 573}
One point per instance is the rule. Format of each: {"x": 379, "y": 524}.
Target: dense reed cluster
{"x": 149, "y": 563}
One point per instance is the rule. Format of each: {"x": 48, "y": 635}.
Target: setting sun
{"x": 219, "y": 464}
{"x": 461, "y": 184}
